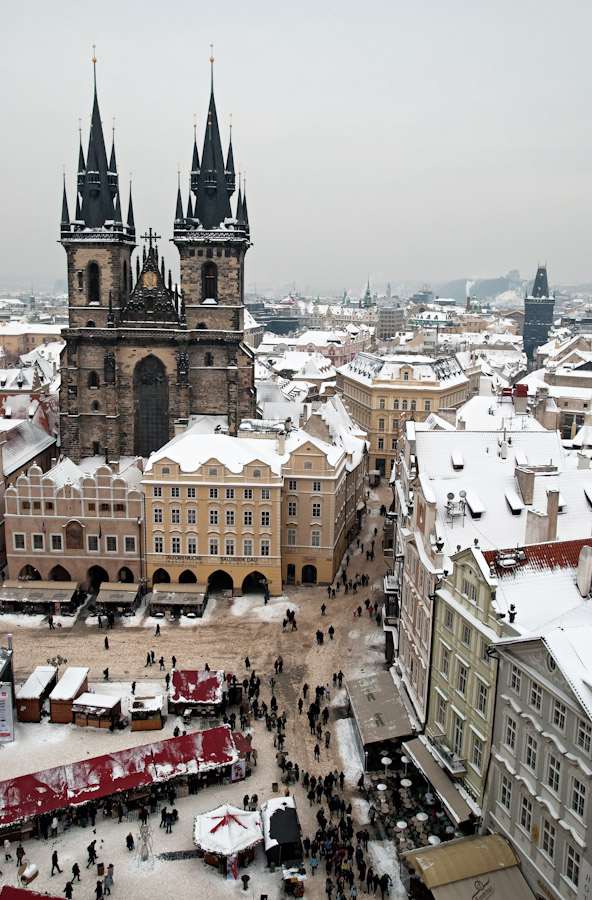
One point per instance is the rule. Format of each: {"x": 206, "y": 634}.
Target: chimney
{"x": 526, "y": 484}
{"x": 583, "y": 461}
{"x": 537, "y": 527}
{"x": 281, "y": 447}
{"x": 584, "y": 573}
{"x": 552, "y": 510}
{"x": 461, "y": 425}
{"x": 504, "y": 450}
{"x": 468, "y": 304}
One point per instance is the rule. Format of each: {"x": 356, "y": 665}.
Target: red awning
{"x": 240, "y": 742}
{"x": 43, "y": 792}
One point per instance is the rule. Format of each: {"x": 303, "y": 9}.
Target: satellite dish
{"x": 462, "y": 494}
{"x": 450, "y": 495}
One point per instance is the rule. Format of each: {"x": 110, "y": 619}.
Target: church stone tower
{"x": 142, "y": 355}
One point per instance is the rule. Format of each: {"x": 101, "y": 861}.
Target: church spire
{"x": 131, "y": 225}
{"x": 229, "y": 172}
{"x": 97, "y": 193}
{"x": 179, "y": 210}
{"x": 65, "y": 223}
{"x": 113, "y": 179}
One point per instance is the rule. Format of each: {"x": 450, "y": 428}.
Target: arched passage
{"x": 309, "y": 574}
{"x": 126, "y": 575}
{"x": 254, "y": 583}
{"x": 187, "y": 577}
{"x": 29, "y": 573}
{"x": 161, "y": 576}
{"x": 220, "y": 581}
{"x": 151, "y": 402}
{"x": 58, "y": 573}
{"x": 96, "y": 576}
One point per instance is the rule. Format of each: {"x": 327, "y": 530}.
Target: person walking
{"x": 133, "y": 688}
{"x": 75, "y": 872}
{"x": 167, "y": 680}
{"x": 106, "y": 885}
{"x": 156, "y": 634}
{"x": 110, "y": 871}
{"x": 161, "y": 664}
{"x": 50, "y": 623}
{"x": 174, "y": 662}
{"x": 99, "y": 890}
{"x": 147, "y": 663}
{"x": 54, "y": 862}
{"x": 327, "y": 739}
{"x": 247, "y": 662}
{"x": 20, "y": 852}
{"x": 317, "y": 752}
{"x": 68, "y": 890}
{"x": 106, "y": 642}
{"x": 129, "y": 841}
{"x": 314, "y": 862}
{"x": 7, "y": 853}
{"x": 106, "y": 674}
{"x": 92, "y": 853}
{"x": 152, "y": 657}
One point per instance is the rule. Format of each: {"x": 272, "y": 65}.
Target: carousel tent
{"x": 43, "y": 792}
{"x": 227, "y": 830}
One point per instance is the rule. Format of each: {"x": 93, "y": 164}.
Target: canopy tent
{"x": 43, "y": 792}
{"x": 456, "y": 805}
{"x": 195, "y": 689}
{"x": 177, "y": 600}
{"x": 120, "y": 597}
{"x": 227, "y": 830}
{"x": 281, "y": 831}
{"x": 379, "y": 712}
{"x": 40, "y": 596}
{"x": 477, "y": 866}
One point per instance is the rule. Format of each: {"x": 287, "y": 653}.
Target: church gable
{"x": 151, "y": 302}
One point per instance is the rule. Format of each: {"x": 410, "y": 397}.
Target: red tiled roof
{"x": 552, "y": 555}
{"x": 192, "y": 686}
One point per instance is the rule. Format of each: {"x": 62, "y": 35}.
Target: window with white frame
{"x": 157, "y": 515}
{"x": 445, "y": 661}
{"x": 247, "y": 547}
{"x": 559, "y": 714}
{"x": 584, "y": 735}
{"x": 129, "y": 544}
{"x": 458, "y": 735}
{"x": 157, "y": 490}
{"x": 317, "y": 486}
{"x": 265, "y": 493}
{"x": 482, "y": 699}
{"x": 292, "y": 508}
{"x": 175, "y": 515}
{"x": 573, "y": 861}
{"x": 230, "y": 517}
{"x": 477, "y": 752}
{"x": 175, "y": 545}
{"x": 530, "y": 756}
{"x": 553, "y": 773}
{"x": 111, "y": 543}
{"x": 213, "y": 546}
{"x": 247, "y": 493}
{"x": 506, "y": 792}
{"x": 515, "y": 679}
{"x": 38, "y": 541}
{"x": 19, "y": 541}
{"x": 192, "y": 546}
{"x": 578, "y": 797}
{"x": 536, "y": 695}
{"x": 213, "y": 517}
{"x": 484, "y": 655}
{"x": 175, "y": 492}
{"x": 191, "y": 493}
{"x": 191, "y": 516}
{"x": 510, "y": 733}
{"x": 548, "y": 841}
{"x": 229, "y": 547}
{"x": 382, "y": 403}
{"x": 247, "y": 517}
{"x": 441, "y": 711}
{"x": 213, "y": 493}
{"x": 265, "y": 547}
{"x": 525, "y": 814}
{"x": 265, "y": 517}
{"x": 461, "y": 684}
{"x": 292, "y": 485}
{"x": 229, "y": 493}
{"x": 291, "y": 537}
{"x": 158, "y": 544}
{"x": 448, "y": 619}
{"x": 316, "y": 510}
{"x": 315, "y": 538}
{"x": 56, "y": 542}
{"x": 466, "y": 636}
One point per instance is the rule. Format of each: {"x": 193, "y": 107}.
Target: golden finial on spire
{"x": 231, "y": 120}
{"x": 80, "y": 125}
{"x": 194, "y": 125}
{"x": 113, "y": 126}
{"x": 64, "y": 169}
{"x": 130, "y": 177}
{"x": 94, "y": 57}
{"x": 211, "y": 53}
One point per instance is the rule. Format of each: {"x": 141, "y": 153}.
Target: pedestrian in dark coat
{"x": 174, "y": 661}
{"x": 106, "y": 642}
{"x": 147, "y": 660}
{"x": 99, "y": 890}
{"x": 247, "y": 662}
{"x": 54, "y": 862}
{"x": 75, "y": 871}
{"x": 68, "y": 890}
{"x": 129, "y": 841}
{"x": 92, "y": 854}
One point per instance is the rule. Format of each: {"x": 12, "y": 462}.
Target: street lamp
{"x": 57, "y": 661}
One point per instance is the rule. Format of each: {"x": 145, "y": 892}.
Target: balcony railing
{"x": 455, "y": 764}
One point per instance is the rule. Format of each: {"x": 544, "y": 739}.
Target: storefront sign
{"x": 6, "y": 719}
{"x": 238, "y": 770}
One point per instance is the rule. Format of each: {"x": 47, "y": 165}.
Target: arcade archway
{"x": 220, "y": 581}
{"x": 58, "y": 573}
{"x": 309, "y": 574}
{"x": 187, "y": 577}
{"x": 254, "y": 583}
{"x": 161, "y": 576}
{"x": 29, "y": 573}
{"x": 96, "y": 576}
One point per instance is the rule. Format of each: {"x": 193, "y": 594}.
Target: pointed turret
{"x": 245, "y": 217}
{"x": 179, "y": 210}
{"x": 118, "y": 218}
{"x": 131, "y": 225}
{"x": 97, "y": 197}
{"x": 540, "y": 287}
{"x": 65, "y": 223}
{"x": 229, "y": 172}
{"x": 81, "y": 164}
{"x": 239, "y": 202}
{"x": 189, "y": 207}
{"x": 194, "y": 162}
{"x": 212, "y": 204}
{"x": 113, "y": 179}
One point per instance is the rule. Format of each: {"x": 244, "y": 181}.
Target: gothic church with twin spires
{"x": 141, "y": 354}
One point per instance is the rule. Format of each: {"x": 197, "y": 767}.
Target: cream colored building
{"x": 381, "y": 393}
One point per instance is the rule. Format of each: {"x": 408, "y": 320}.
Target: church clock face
{"x": 149, "y": 280}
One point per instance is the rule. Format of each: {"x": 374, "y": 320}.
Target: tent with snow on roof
{"x": 225, "y": 832}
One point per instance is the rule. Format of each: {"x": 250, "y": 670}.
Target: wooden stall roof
{"x": 117, "y": 594}
{"x": 37, "y": 683}
{"x": 38, "y": 591}
{"x": 96, "y": 704}
{"x": 179, "y": 595}
{"x": 70, "y": 683}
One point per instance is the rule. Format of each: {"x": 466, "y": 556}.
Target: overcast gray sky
{"x": 407, "y": 139}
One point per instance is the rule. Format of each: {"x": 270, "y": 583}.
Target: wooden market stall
{"x": 71, "y": 685}
{"x": 199, "y": 693}
{"x": 96, "y": 710}
{"x": 172, "y": 601}
{"x": 228, "y": 837}
{"x": 56, "y": 598}
{"x": 121, "y": 598}
{"x": 147, "y": 713}
{"x": 34, "y": 692}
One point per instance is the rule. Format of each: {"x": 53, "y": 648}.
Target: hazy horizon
{"x": 408, "y": 142}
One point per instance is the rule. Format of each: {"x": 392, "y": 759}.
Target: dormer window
{"x": 405, "y": 376}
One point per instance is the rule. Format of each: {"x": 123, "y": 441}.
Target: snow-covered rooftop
{"x": 70, "y": 682}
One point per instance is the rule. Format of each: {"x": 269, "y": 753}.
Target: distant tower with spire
{"x": 142, "y": 354}
{"x": 538, "y": 313}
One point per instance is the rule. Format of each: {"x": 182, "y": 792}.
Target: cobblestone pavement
{"x": 223, "y": 641}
